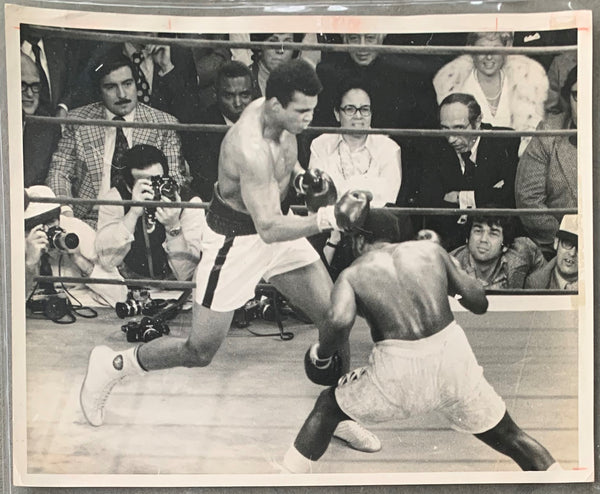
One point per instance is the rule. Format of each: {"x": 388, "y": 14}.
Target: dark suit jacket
{"x": 496, "y": 164}
{"x": 201, "y": 151}
{"x": 39, "y": 142}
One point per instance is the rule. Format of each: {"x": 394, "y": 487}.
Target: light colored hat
{"x": 37, "y": 213}
{"x": 568, "y": 226}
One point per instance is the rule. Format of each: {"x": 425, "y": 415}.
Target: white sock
{"x": 130, "y": 361}
{"x": 555, "y": 466}
{"x": 295, "y": 462}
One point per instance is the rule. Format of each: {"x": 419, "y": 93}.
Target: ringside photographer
{"x": 138, "y": 242}
{"x": 54, "y": 245}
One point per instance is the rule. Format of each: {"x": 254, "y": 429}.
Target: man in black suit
{"x": 201, "y": 149}
{"x": 464, "y": 171}
{"x": 39, "y": 139}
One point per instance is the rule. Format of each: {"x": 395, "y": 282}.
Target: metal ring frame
{"x": 191, "y": 43}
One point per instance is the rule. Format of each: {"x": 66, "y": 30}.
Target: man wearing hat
{"x": 421, "y": 360}
{"x": 76, "y": 255}
{"x": 561, "y": 272}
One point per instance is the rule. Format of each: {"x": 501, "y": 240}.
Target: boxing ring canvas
{"x": 230, "y": 424}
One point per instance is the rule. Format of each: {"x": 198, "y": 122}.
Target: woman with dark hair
{"x": 266, "y": 59}
{"x": 358, "y": 161}
{"x": 547, "y": 172}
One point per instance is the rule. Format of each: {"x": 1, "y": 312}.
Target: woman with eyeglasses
{"x": 547, "y": 172}
{"x": 358, "y": 160}
{"x": 511, "y": 89}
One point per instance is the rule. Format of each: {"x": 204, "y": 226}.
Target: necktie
{"x": 469, "y": 167}
{"x": 45, "y": 92}
{"x": 143, "y": 88}
{"x": 121, "y": 146}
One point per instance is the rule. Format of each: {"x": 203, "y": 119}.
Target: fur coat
{"x": 524, "y": 77}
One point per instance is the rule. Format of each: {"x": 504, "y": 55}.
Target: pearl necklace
{"x": 498, "y": 94}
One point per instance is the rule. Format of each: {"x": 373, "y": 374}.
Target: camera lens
{"x": 61, "y": 240}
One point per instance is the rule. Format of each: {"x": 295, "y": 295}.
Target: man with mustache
{"x": 87, "y": 161}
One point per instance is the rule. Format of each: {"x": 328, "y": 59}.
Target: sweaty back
{"x": 409, "y": 299}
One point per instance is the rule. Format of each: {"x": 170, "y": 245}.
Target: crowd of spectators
{"x": 363, "y": 89}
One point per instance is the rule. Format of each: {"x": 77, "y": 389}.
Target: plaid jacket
{"x": 76, "y": 167}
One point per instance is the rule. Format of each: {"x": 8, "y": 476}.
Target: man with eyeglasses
{"x": 39, "y": 140}
{"x": 562, "y": 272}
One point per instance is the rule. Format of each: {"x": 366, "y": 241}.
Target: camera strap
{"x": 148, "y": 249}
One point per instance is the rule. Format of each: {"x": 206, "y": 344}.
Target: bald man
{"x": 39, "y": 140}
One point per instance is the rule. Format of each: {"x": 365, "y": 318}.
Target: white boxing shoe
{"x": 357, "y": 437}
{"x": 105, "y": 369}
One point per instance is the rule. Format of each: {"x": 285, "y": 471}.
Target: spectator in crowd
{"x": 559, "y": 69}
{"x": 234, "y": 93}
{"x": 165, "y": 75}
{"x": 510, "y": 89}
{"x": 462, "y": 171}
{"x": 399, "y": 99}
{"x": 431, "y": 63}
{"x": 207, "y": 62}
{"x": 559, "y": 37}
{"x": 494, "y": 256}
{"x": 266, "y": 59}
{"x": 358, "y": 161}
{"x": 547, "y": 172}
{"x": 131, "y": 241}
{"x": 39, "y": 140}
{"x": 75, "y": 260}
{"x": 87, "y": 160}
{"x": 59, "y": 62}
{"x": 562, "y": 271}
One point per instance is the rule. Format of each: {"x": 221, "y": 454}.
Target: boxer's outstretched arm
{"x": 470, "y": 289}
{"x": 261, "y": 196}
{"x": 340, "y": 316}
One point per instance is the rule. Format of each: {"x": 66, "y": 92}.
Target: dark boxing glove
{"x": 317, "y": 188}
{"x": 325, "y": 372}
{"x": 349, "y": 213}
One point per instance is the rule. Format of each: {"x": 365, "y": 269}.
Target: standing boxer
{"x": 250, "y": 236}
{"x": 421, "y": 361}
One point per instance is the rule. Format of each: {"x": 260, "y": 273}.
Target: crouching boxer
{"x": 421, "y": 361}
{"x": 251, "y": 235}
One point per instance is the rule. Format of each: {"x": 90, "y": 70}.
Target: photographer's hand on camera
{"x": 142, "y": 191}
{"x": 169, "y": 217}
{"x": 36, "y": 242}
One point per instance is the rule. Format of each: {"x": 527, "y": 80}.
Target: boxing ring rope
{"x": 327, "y": 47}
{"x": 218, "y": 128}
{"x": 323, "y": 47}
{"x": 300, "y": 208}
{"x": 183, "y": 285}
